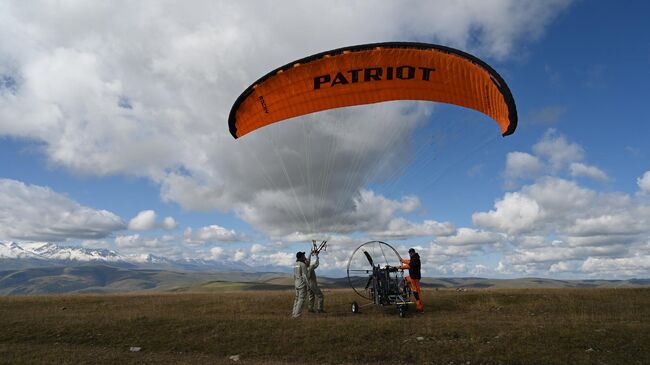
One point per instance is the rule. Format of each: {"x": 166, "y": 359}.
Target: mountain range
{"x": 22, "y": 255}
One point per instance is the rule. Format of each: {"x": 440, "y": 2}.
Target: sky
{"x": 113, "y": 134}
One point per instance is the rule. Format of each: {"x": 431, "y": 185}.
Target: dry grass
{"x": 537, "y": 326}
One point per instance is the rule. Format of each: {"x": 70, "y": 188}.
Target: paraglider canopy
{"x": 373, "y": 73}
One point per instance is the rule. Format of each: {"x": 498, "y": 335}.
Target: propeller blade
{"x": 369, "y": 258}
{"x": 369, "y": 281}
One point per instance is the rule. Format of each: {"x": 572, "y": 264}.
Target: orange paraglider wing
{"x": 373, "y": 73}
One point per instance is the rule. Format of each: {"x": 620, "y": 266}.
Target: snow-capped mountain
{"x": 12, "y": 250}
{"x": 52, "y": 251}
{"x": 35, "y": 254}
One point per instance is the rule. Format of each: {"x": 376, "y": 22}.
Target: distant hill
{"x": 101, "y": 278}
{"x": 521, "y": 283}
{"x": 109, "y": 279}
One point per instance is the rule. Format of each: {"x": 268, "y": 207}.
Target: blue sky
{"x": 113, "y": 134}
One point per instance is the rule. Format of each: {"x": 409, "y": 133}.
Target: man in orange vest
{"x": 413, "y": 266}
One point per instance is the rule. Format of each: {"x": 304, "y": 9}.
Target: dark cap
{"x": 300, "y": 255}
{"x": 411, "y": 250}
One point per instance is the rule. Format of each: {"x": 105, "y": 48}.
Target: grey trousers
{"x": 299, "y": 301}
{"x": 315, "y": 295}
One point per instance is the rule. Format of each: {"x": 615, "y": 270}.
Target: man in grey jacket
{"x": 300, "y": 282}
{"x": 315, "y": 295}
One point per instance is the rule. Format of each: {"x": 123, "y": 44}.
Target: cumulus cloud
{"x": 101, "y": 105}
{"x": 31, "y": 212}
{"x": 278, "y": 259}
{"x": 169, "y": 223}
{"x": 581, "y": 170}
{"x": 556, "y": 226}
{"x": 449, "y": 255}
{"x": 239, "y": 255}
{"x": 94, "y": 243}
{"x": 637, "y": 265}
{"x": 553, "y": 155}
{"x": 258, "y": 248}
{"x": 614, "y": 223}
{"x": 137, "y": 244}
{"x": 644, "y": 183}
{"x": 515, "y": 213}
{"x": 522, "y": 165}
{"x": 211, "y": 233}
{"x": 216, "y": 252}
{"x": 143, "y": 221}
{"x": 552, "y": 204}
{"x": 400, "y": 228}
{"x": 501, "y": 268}
{"x": 471, "y": 237}
{"x": 563, "y": 266}
{"x": 558, "y": 150}
{"x": 138, "y": 241}
{"x": 147, "y": 220}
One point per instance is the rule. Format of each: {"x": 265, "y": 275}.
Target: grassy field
{"x": 509, "y": 326}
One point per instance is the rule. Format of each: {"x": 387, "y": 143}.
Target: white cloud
{"x": 637, "y": 265}
{"x": 440, "y": 254}
{"x": 216, "y": 233}
{"x": 31, "y": 212}
{"x": 502, "y": 268}
{"x": 147, "y": 220}
{"x": 531, "y": 241}
{"x": 169, "y": 223}
{"x": 143, "y": 221}
{"x": 554, "y": 253}
{"x": 456, "y": 268}
{"x": 479, "y": 270}
{"x": 514, "y": 214}
{"x": 547, "y": 205}
{"x": 556, "y": 226}
{"x": 168, "y": 238}
{"x": 211, "y": 233}
{"x": 610, "y": 224}
{"x": 563, "y": 266}
{"x": 553, "y": 155}
{"x": 239, "y": 255}
{"x": 521, "y": 165}
{"x": 558, "y": 150}
{"x": 450, "y": 254}
{"x": 644, "y": 183}
{"x": 557, "y": 205}
{"x": 94, "y": 243}
{"x": 400, "y": 228}
{"x": 581, "y": 170}
{"x": 139, "y": 94}
{"x": 138, "y": 242}
{"x": 216, "y": 252}
{"x": 469, "y": 236}
{"x": 281, "y": 259}
{"x": 257, "y": 248}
